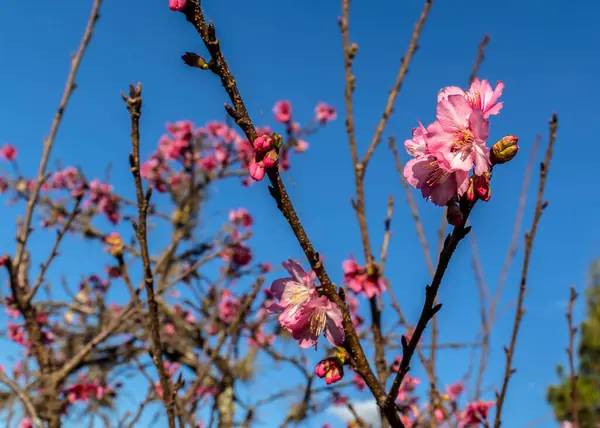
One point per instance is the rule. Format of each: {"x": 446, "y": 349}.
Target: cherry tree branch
{"x": 570, "y": 353}
{"x": 529, "y": 238}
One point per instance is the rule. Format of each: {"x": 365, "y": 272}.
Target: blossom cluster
{"x": 302, "y": 310}
{"x": 446, "y": 151}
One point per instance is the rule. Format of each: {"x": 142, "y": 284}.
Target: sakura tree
{"x": 203, "y": 316}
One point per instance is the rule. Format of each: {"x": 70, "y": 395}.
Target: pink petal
{"x": 453, "y": 113}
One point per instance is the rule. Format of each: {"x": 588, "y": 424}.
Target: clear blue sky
{"x": 543, "y": 50}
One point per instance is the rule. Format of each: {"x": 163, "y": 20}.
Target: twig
{"x": 529, "y": 238}
{"x": 387, "y": 234}
{"x": 570, "y": 352}
{"x": 134, "y": 106}
{"x": 70, "y": 86}
{"x": 23, "y": 396}
{"x": 389, "y": 106}
{"x": 510, "y": 255}
{"x": 480, "y": 57}
{"x": 278, "y": 191}
{"x": 429, "y": 307}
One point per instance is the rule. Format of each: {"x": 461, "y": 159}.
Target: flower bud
{"x": 481, "y": 185}
{"x": 331, "y": 369}
{"x": 454, "y": 214}
{"x": 257, "y": 170}
{"x": 277, "y": 140}
{"x": 263, "y": 143}
{"x": 195, "y": 60}
{"x": 177, "y": 5}
{"x": 504, "y": 150}
{"x": 270, "y": 159}
{"x": 116, "y": 244}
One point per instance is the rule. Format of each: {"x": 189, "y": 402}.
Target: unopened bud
{"x": 504, "y": 150}
{"x": 454, "y": 214}
{"x": 263, "y": 143}
{"x": 277, "y": 140}
{"x": 481, "y": 184}
{"x": 270, "y": 159}
{"x": 194, "y": 60}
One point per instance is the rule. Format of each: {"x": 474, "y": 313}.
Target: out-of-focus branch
{"x": 134, "y": 106}
{"x": 23, "y": 396}
{"x": 387, "y": 233}
{"x": 510, "y": 255}
{"x": 480, "y": 57}
{"x": 529, "y": 238}
{"x": 70, "y": 86}
{"x": 570, "y": 352}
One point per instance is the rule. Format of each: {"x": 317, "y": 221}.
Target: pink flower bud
{"x": 270, "y": 159}
{"x": 481, "y": 184}
{"x": 301, "y": 146}
{"x": 504, "y": 150}
{"x": 263, "y": 143}
{"x": 177, "y": 5}
{"x": 331, "y": 369}
{"x": 8, "y": 152}
{"x": 257, "y": 171}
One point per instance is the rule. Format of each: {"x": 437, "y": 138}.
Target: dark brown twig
{"x": 134, "y": 106}
{"x": 570, "y": 352}
{"x": 278, "y": 191}
{"x": 529, "y": 238}
{"x": 480, "y": 57}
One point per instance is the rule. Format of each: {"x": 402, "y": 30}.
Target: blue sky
{"x": 292, "y": 50}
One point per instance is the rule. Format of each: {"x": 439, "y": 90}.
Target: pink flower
{"x": 241, "y": 216}
{"x": 260, "y": 339}
{"x": 454, "y": 390}
{"x": 177, "y": 5}
{"x": 475, "y": 413}
{"x": 301, "y": 146}
{"x": 318, "y": 316}
{"x": 8, "y": 152}
{"x": 363, "y": 279}
{"x": 325, "y": 113}
{"x": 292, "y": 292}
{"x": 26, "y": 423}
{"x": 480, "y": 96}
{"x": 331, "y": 369}
{"x": 459, "y": 135}
{"x": 228, "y": 307}
{"x": 436, "y": 180}
{"x": 283, "y": 111}
{"x": 417, "y": 146}
{"x": 301, "y": 311}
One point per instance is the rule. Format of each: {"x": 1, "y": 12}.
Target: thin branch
{"x": 389, "y": 106}
{"x": 70, "y": 86}
{"x": 387, "y": 234}
{"x": 23, "y": 396}
{"x": 510, "y": 255}
{"x": 134, "y": 106}
{"x": 480, "y": 57}
{"x": 529, "y": 238}
{"x": 570, "y": 352}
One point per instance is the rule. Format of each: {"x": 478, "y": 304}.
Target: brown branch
{"x": 510, "y": 255}
{"x": 278, "y": 191}
{"x": 387, "y": 234}
{"x": 529, "y": 238}
{"x": 389, "y": 106}
{"x": 134, "y": 106}
{"x": 570, "y": 351}
{"x": 70, "y": 86}
{"x": 23, "y": 396}
{"x": 480, "y": 57}
{"x": 429, "y": 307}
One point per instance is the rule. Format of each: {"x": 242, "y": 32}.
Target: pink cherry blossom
{"x": 454, "y": 390}
{"x": 177, "y": 5}
{"x": 228, "y": 307}
{"x": 459, "y": 135}
{"x": 283, "y": 111}
{"x": 436, "y": 180}
{"x": 318, "y": 316}
{"x": 325, "y": 113}
{"x": 263, "y": 143}
{"x": 301, "y": 146}
{"x": 292, "y": 293}
{"x": 363, "y": 279}
{"x": 416, "y": 146}
{"x": 480, "y": 96}
{"x": 257, "y": 170}
{"x": 475, "y": 413}
{"x": 359, "y": 382}
{"x": 241, "y": 216}
{"x": 26, "y": 423}
{"x": 8, "y": 152}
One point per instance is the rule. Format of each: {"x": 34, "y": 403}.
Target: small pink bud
{"x": 270, "y": 159}
{"x": 263, "y": 143}
{"x": 481, "y": 184}
{"x": 257, "y": 171}
{"x": 8, "y": 152}
{"x": 301, "y": 146}
{"x": 177, "y": 5}
{"x": 331, "y": 369}
{"x": 504, "y": 150}
{"x": 454, "y": 214}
